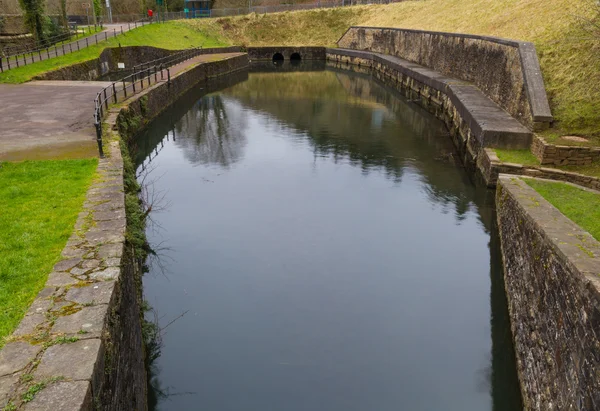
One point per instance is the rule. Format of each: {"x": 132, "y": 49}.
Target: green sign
{"x": 186, "y": 10}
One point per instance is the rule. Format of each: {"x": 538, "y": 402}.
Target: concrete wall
{"x": 266, "y": 53}
{"x": 506, "y": 71}
{"x": 552, "y": 270}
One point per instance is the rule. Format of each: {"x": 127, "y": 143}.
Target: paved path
{"x": 111, "y": 30}
{"x": 54, "y": 119}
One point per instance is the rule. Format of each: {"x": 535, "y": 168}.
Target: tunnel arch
{"x": 277, "y": 57}
{"x": 295, "y": 57}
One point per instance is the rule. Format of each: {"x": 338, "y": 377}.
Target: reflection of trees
{"x": 351, "y": 117}
{"x": 212, "y": 132}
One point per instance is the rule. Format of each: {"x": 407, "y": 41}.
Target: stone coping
{"x": 59, "y": 341}
{"x": 575, "y": 246}
{"x": 491, "y": 125}
{"x": 532, "y": 78}
{"x": 491, "y": 167}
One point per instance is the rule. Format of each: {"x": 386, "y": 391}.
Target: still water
{"x": 327, "y": 252}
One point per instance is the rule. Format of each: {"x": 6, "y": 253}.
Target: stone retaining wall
{"x": 507, "y": 71}
{"x": 552, "y": 279}
{"x": 563, "y": 155}
{"x": 432, "y": 92}
{"x": 107, "y": 62}
{"x": 82, "y": 337}
{"x": 130, "y": 119}
{"x": 491, "y": 167}
{"x": 267, "y": 53}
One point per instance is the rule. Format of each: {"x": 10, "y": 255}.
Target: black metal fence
{"x": 9, "y": 62}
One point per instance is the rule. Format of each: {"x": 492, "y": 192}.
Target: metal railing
{"x": 171, "y": 59}
{"x": 44, "y": 53}
{"x": 145, "y": 74}
{"x": 127, "y": 86}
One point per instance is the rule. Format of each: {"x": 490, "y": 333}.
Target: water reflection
{"x": 214, "y": 132}
{"x": 343, "y": 259}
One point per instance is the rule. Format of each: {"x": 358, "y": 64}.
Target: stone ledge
{"x": 491, "y": 167}
{"x": 552, "y": 280}
{"x": 561, "y": 155}
{"x": 58, "y": 342}
{"x": 486, "y": 121}
{"x": 501, "y": 68}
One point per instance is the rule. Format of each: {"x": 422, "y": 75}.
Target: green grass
{"x": 569, "y": 54}
{"x": 39, "y": 204}
{"x": 524, "y": 157}
{"x": 581, "y": 206}
{"x": 171, "y": 35}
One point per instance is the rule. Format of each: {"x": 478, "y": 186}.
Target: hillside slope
{"x": 569, "y": 55}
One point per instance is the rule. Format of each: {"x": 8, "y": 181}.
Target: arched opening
{"x": 277, "y": 57}
{"x": 295, "y": 57}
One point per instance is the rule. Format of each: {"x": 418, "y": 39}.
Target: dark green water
{"x": 328, "y": 249}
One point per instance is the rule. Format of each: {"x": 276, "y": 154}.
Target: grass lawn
{"x": 171, "y": 35}
{"x": 581, "y": 206}
{"x": 569, "y": 54}
{"x": 39, "y": 204}
{"x": 524, "y": 157}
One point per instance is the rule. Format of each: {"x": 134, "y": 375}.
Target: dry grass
{"x": 569, "y": 56}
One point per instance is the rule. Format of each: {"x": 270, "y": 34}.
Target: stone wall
{"x": 153, "y": 101}
{"x": 13, "y": 24}
{"x": 267, "y": 53}
{"x": 491, "y": 167}
{"x": 560, "y": 155}
{"x": 107, "y": 62}
{"x": 458, "y": 104}
{"x": 506, "y": 71}
{"x": 552, "y": 280}
{"x": 82, "y": 336}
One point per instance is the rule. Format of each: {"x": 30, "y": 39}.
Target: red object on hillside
{"x": 150, "y": 13}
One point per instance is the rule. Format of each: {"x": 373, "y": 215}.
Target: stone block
{"x": 62, "y": 395}
{"x": 15, "y": 356}
{"x": 97, "y": 293}
{"x": 89, "y": 319}
{"x": 75, "y": 361}
{"x": 60, "y": 279}
{"x": 110, "y": 273}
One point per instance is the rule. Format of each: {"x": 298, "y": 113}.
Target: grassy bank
{"x": 581, "y": 206}
{"x": 569, "y": 56}
{"x": 39, "y": 204}
{"x": 170, "y": 35}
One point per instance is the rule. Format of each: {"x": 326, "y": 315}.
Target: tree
{"x": 63, "y": 14}
{"x": 33, "y": 14}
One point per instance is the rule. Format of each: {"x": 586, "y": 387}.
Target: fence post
{"x": 105, "y": 99}
{"x": 1, "y": 68}
{"x": 133, "y": 82}
{"x": 114, "y": 93}
{"x": 96, "y": 38}
{"x": 168, "y": 77}
{"x": 124, "y": 90}
{"x": 40, "y": 54}
{"x": 99, "y": 137}
{"x": 63, "y": 48}
{"x": 106, "y": 35}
